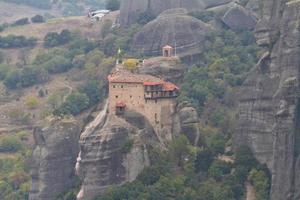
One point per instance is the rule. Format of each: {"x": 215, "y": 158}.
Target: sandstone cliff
{"x": 173, "y": 27}
{"x": 54, "y": 159}
{"x": 131, "y": 9}
{"x": 114, "y": 150}
{"x": 269, "y": 108}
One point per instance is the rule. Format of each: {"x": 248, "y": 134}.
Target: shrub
{"x": 26, "y": 77}
{"x": 12, "y": 41}
{"x": 131, "y": 64}
{"x": 31, "y": 102}
{"x": 57, "y": 64}
{"x": 149, "y": 176}
{"x": 93, "y": 90}
{"x": 218, "y": 169}
{"x": 74, "y": 104}
{"x": 260, "y": 181}
{"x": 10, "y": 144}
{"x": 53, "y": 39}
{"x": 21, "y": 22}
{"x": 216, "y": 144}
{"x": 203, "y": 160}
{"x": 38, "y": 19}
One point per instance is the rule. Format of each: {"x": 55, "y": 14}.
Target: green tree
{"x": 74, "y": 104}
{"x": 10, "y": 144}
{"x": 179, "y": 150}
{"x": 260, "y": 181}
{"x": 203, "y": 160}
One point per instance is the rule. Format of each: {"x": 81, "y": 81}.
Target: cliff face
{"x": 173, "y": 27}
{"x": 54, "y": 159}
{"x": 269, "y": 106}
{"x": 114, "y": 150}
{"x": 131, "y": 9}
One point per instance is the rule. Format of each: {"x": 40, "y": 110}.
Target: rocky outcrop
{"x": 115, "y": 149}
{"x": 170, "y": 69}
{"x": 173, "y": 27}
{"x": 187, "y": 122}
{"x": 237, "y": 17}
{"x": 113, "y": 153}
{"x": 132, "y": 9}
{"x": 269, "y": 108}
{"x": 54, "y": 158}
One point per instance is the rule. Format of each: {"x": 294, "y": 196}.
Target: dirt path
{"x": 250, "y": 194}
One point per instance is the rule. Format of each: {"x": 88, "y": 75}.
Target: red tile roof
{"x": 124, "y": 76}
{"x": 170, "y": 86}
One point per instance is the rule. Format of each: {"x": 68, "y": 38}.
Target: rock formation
{"x": 114, "y": 151}
{"x": 173, "y": 27}
{"x": 237, "y": 17}
{"x": 269, "y": 108}
{"x": 131, "y": 9}
{"x": 54, "y": 159}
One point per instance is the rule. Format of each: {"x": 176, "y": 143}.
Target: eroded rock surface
{"x": 113, "y": 153}
{"x": 132, "y": 9}
{"x": 173, "y": 27}
{"x": 269, "y": 107}
{"x": 54, "y": 159}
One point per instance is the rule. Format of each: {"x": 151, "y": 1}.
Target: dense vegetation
{"x": 185, "y": 173}
{"x": 13, "y": 41}
{"x": 14, "y": 177}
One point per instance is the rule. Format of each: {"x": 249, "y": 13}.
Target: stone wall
{"x": 159, "y": 112}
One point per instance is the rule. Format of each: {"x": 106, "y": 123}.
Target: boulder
{"x": 131, "y": 9}
{"x": 173, "y": 27}
{"x": 237, "y": 17}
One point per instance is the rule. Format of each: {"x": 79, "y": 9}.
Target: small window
{"x": 121, "y": 86}
{"x": 114, "y": 86}
{"x": 155, "y": 100}
{"x": 117, "y": 96}
{"x": 130, "y": 96}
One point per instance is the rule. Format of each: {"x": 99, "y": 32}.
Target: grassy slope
{"x": 10, "y": 12}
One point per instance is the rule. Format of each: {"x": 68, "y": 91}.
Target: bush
{"x": 31, "y": 102}
{"x": 12, "y": 41}
{"x": 21, "y": 22}
{"x": 74, "y": 104}
{"x": 216, "y": 144}
{"x": 131, "y": 64}
{"x": 93, "y": 90}
{"x": 26, "y": 77}
{"x": 57, "y": 64}
{"x": 203, "y": 160}
{"x": 260, "y": 181}
{"x": 37, "y": 19}
{"x": 218, "y": 169}
{"x": 53, "y": 39}
{"x": 149, "y": 176}
{"x": 10, "y": 144}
